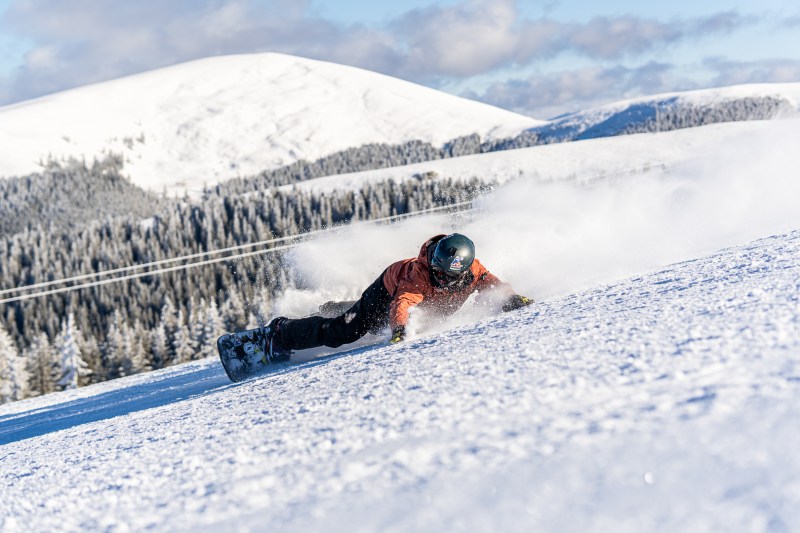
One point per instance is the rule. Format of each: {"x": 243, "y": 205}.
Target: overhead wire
{"x": 299, "y": 238}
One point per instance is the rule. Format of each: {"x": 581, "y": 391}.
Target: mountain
{"x": 669, "y": 111}
{"x": 662, "y": 402}
{"x": 204, "y": 122}
{"x": 653, "y": 387}
{"x": 213, "y": 119}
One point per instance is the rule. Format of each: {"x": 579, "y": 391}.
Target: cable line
{"x": 143, "y": 274}
{"x": 301, "y": 237}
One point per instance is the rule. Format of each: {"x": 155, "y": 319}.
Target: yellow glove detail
{"x": 398, "y": 334}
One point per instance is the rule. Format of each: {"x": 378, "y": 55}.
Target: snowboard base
{"x": 242, "y": 354}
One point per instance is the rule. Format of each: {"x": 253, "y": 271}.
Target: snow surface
{"x": 213, "y": 119}
{"x": 668, "y": 401}
{"x": 654, "y": 387}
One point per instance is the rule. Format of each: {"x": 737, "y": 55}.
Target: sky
{"x": 536, "y": 57}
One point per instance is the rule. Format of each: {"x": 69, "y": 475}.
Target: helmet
{"x": 450, "y": 261}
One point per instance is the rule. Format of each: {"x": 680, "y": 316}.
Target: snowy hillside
{"x": 664, "y": 402}
{"x": 585, "y": 161}
{"x": 589, "y": 211}
{"x": 654, "y": 387}
{"x": 668, "y": 111}
{"x": 213, "y": 119}
{"x": 206, "y": 121}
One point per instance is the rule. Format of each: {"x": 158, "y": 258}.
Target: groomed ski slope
{"x": 635, "y": 396}
{"x": 668, "y": 401}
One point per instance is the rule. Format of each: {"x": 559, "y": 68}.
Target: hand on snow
{"x": 398, "y": 334}
{"x": 516, "y": 302}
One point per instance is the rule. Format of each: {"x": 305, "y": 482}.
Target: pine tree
{"x": 212, "y": 329}
{"x": 42, "y": 360}
{"x": 90, "y": 352}
{"x": 71, "y": 370}
{"x": 135, "y": 352}
{"x": 112, "y": 348}
{"x": 170, "y": 321}
{"x": 13, "y": 374}
{"x": 197, "y": 326}
{"x": 182, "y": 342}
{"x": 233, "y": 311}
{"x": 159, "y": 345}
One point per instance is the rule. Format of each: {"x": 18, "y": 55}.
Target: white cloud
{"x": 462, "y": 40}
{"x": 768, "y": 70}
{"x": 79, "y": 42}
{"x": 476, "y": 37}
{"x": 552, "y": 94}
{"x": 45, "y": 57}
{"x": 609, "y": 38}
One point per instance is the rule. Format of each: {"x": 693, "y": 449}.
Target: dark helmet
{"x": 450, "y": 261}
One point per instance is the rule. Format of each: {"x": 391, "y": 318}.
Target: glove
{"x": 516, "y": 302}
{"x": 398, "y": 334}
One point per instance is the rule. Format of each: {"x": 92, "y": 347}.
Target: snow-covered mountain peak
{"x": 676, "y": 110}
{"x": 213, "y": 119}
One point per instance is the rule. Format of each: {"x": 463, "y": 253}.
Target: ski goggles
{"x": 444, "y": 278}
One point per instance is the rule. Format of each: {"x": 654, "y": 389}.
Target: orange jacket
{"x": 409, "y": 284}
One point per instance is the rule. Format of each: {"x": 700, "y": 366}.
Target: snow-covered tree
{"x": 41, "y": 361}
{"x": 169, "y": 322}
{"x": 113, "y": 348}
{"x": 233, "y": 311}
{"x": 13, "y": 374}
{"x": 134, "y": 350}
{"x": 159, "y": 345}
{"x": 197, "y": 326}
{"x": 182, "y": 343}
{"x": 213, "y": 327}
{"x": 71, "y": 370}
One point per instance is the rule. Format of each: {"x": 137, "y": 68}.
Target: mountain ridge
{"x": 213, "y": 119}
{"x": 209, "y": 121}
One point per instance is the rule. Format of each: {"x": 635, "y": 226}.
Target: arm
{"x": 406, "y": 297}
{"x": 487, "y": 280}
{"x": 398, "y": 314}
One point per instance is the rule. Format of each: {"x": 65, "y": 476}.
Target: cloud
{"x": 461, "y": 40}
{"x": 78, "y": 42}
{"x": 729, "y": 72}
{"x": 552, "y": 94}
{"x": 791, "y": 22}
{"x": 474, "y": 37}
{"x": 609, "y": 38}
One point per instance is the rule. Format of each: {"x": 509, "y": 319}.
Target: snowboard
{"x": 242, "y": 354}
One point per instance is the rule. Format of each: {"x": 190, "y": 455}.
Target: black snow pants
{"x": 370, "y": 312}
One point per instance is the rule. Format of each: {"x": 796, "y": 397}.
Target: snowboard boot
{"x": 273, "y": 351}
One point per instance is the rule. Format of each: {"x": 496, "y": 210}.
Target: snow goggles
{"x": 444, "y": 278}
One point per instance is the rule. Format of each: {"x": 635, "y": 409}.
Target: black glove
{"x": 398, "y": 334}
{"x": 516, "y": 302}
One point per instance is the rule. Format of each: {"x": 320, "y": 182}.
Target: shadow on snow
{"x": 160, "y": 391}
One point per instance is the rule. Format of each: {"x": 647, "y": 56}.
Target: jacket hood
{"x": 428, "y": 246}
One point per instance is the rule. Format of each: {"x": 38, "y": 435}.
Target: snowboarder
{"x": 441, "y": 277}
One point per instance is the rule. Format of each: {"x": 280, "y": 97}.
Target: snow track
{"x": 667, "y": 402}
